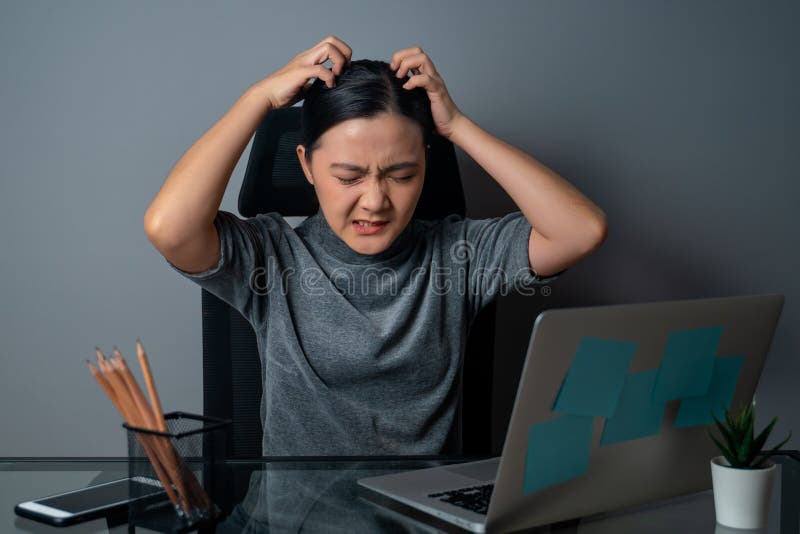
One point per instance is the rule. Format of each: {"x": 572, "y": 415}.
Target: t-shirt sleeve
{"x": 241, "y": 274}
{"x": 494, "y": 253}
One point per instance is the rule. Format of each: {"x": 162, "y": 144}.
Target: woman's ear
{"x": 301, "y": 155}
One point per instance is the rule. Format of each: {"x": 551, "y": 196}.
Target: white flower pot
{"x": 741, "y": 496}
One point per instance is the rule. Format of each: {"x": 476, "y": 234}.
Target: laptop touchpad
{"x": 477, "y": 470}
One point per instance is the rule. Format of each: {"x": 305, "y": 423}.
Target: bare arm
{"x": 180, "y": 220}
{"x": 566, "y": 226}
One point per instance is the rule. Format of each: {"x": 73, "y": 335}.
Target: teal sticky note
{"x": 637, "y": 415}
{"x": 594, "y": 380}
{"x": 687, "y": 363}
{"x": 557, "y": 450}
{"x": 697, "y": 410}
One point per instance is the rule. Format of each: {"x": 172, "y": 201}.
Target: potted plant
{"x": 743, "y": 475}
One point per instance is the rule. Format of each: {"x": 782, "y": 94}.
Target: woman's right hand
{"x": 288, "y": 85}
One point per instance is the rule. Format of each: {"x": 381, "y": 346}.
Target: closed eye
{"x": 350, "y": 181}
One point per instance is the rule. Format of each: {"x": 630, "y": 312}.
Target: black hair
{"x": 364, "y": 88}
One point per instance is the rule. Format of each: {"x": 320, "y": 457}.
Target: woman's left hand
{"x": 423, "y": 74}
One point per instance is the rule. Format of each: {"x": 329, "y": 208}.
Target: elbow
{"x": 601, "y": 229}
{"x": 155, "y": 231}
{"x": 596, "y": 233}
{"x": 151, "y": 223}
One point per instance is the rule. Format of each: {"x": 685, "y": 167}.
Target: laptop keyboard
{"x": 475, "y": 498}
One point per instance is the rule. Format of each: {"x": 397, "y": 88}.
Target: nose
{"x": 374, "y": 198}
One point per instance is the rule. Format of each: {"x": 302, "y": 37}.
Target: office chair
{"x": 274, "y": 181}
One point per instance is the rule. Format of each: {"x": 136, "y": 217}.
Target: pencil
{"x": 119, "y": 384}
{"x": 197, "y": 490}
{"x": 188, "y": 484}
{"x": 197, "y": 493}
{"x": 163, "y": 447}
{"x": 151, "y": 386}
{"x": 162, "y": 476}
{"x": 157, "y": 448}
{"x": 129, "y": 409}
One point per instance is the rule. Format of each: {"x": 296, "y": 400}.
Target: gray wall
{"x": 679, "y": 119}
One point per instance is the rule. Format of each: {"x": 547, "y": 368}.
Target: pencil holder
{"x": 172, "y": 473}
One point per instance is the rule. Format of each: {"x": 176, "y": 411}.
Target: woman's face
{"x": 368, "y": 175}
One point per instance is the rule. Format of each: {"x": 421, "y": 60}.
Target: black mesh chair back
{"x": 274, "y": 182}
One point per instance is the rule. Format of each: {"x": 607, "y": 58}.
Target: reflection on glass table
{"x": 321, "y": 495}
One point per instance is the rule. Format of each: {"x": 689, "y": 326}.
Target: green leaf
{"x": 741, "y": 448}
{"x": 726, "y": 434}
{"x": 748, "y": 419}
{"x": 729, "y": 418}
{"x": 745, "y": 449}
{"x": 763, "y": 459}
{"x": 725, "y": 452}
{"x": 762, "y": 437}
{"x": 739, "y": 425}
{"x": 740, "y": 417}
{"x": 749, "y": 415}
{"x": 774, "y": 449}
{"x": 781, "y": 444}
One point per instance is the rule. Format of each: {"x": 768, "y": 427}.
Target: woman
{"x": 361, "y": 312}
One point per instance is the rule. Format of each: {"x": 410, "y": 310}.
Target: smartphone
{"x": 90, "y": 503}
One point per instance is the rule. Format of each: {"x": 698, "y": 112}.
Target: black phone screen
{"x": 98, "y": 496}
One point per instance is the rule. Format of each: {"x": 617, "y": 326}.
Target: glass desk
{"x": 321, "y": 495}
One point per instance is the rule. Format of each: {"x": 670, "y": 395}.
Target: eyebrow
{"x": 390, "y": 168}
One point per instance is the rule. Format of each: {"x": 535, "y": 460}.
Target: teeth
{"x": 363, "y": 223}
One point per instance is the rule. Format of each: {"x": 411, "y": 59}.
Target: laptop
{"x": 612, "y": 410}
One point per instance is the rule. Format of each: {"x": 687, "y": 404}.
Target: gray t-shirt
{"x": 360, "y": 354}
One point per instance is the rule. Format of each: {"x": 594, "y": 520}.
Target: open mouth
{"x": 363, "y": 227}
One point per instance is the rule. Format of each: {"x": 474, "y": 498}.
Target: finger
{"x": 398, "y": 56}
{"x": 327, "y": 51}
{"x": 320, "y": 72}
{"x": 417, "y": 63}
{"x": 340, "y": 45}
{"x": 420, "y": 80}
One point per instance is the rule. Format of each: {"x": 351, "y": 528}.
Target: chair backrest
{"x": 274, "y": 182}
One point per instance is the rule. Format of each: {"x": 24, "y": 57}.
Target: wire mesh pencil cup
{"x": 172, "y": 472}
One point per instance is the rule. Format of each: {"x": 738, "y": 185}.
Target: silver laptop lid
{"x": 614, "y": 403}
